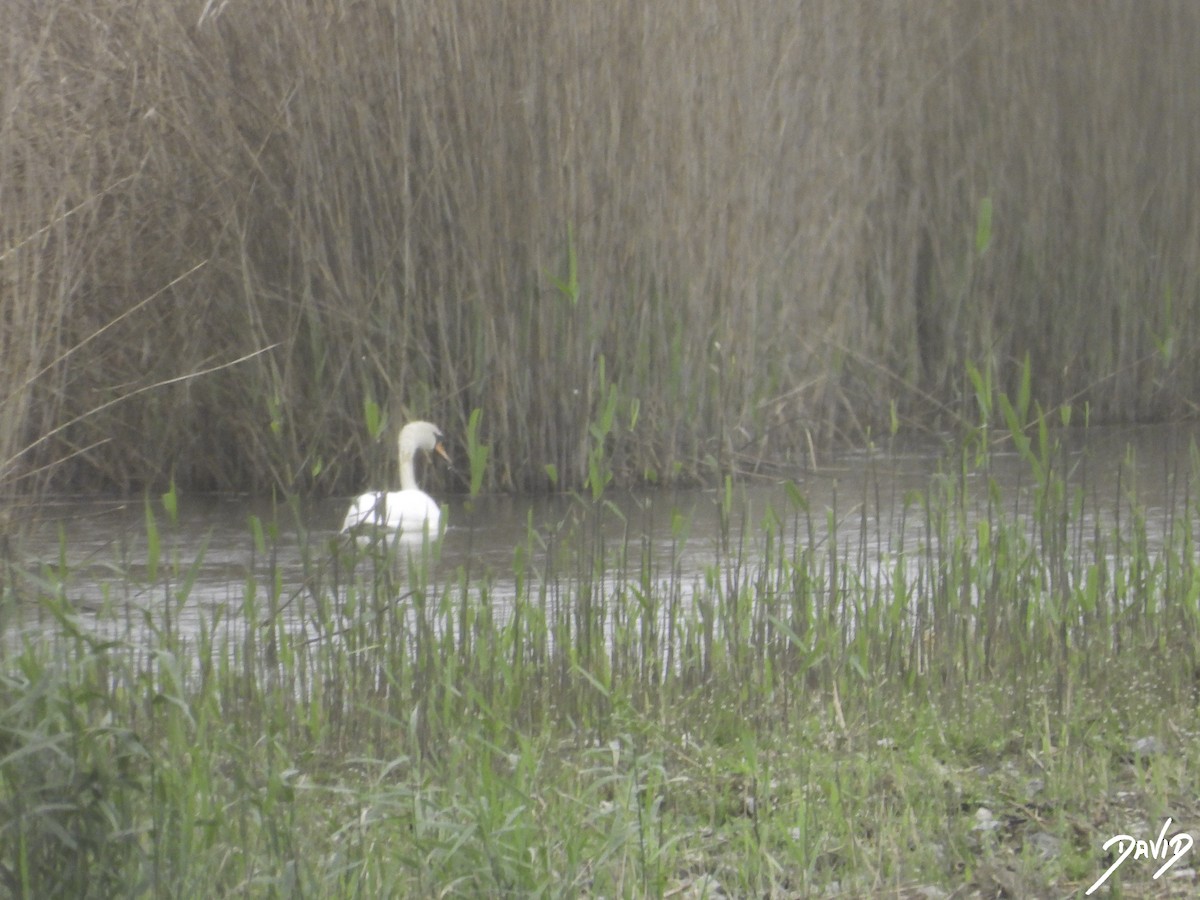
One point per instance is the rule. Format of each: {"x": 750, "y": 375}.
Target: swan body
{"x": 409, "y": 512}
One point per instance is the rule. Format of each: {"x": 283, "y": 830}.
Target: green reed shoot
{"x": 477, "y": 453}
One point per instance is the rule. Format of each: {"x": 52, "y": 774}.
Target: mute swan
{"x": 410, "y": 512}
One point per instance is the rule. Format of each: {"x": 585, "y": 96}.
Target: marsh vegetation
{"x": 604, "y": 247}
{"x": 975, "y": 696}
{"x": 728, "y": 235}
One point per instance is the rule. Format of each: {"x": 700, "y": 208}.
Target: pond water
{"x": 94, "y": 554}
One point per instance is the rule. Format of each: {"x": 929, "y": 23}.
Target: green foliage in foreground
{"x": 965, "y": 712}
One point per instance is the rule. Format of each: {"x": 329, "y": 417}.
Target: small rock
{"x": 1046, "y": 844}
{"x": 985, "y": 820}
{"x": 931, "y": 892}
{"x": 1148, "y": 746}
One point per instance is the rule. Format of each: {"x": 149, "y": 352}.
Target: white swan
{"x": 410, "y": 512}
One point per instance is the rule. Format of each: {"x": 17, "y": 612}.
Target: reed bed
{"x": 980, "y": 705}
{"x": 734, "y": 234}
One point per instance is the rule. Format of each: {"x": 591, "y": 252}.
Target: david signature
{"x": 1177, "y": 845}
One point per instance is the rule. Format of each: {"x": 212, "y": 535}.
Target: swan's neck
{"x": 408, "y": 477}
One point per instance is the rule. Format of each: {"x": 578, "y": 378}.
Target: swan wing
{"x": 409, "y": 512}
{"x": 413, "y": 513}
{"x": 365, "y": 510}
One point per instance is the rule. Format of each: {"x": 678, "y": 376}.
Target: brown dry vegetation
{"x": 228, "y": 225}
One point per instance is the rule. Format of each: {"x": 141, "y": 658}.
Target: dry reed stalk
{"x": 771, "y": 212}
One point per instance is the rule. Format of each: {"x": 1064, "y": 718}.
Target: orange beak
{"x": 441, "y": 451}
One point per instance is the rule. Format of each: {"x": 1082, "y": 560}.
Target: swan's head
{"x": 421, "y": 436}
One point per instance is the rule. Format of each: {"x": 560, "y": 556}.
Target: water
{"x": 865, "y": 509}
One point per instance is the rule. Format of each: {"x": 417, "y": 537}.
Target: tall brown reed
{"x": 773, "y": 216}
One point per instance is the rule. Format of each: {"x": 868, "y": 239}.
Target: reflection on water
{"x": 860, "y": 510}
